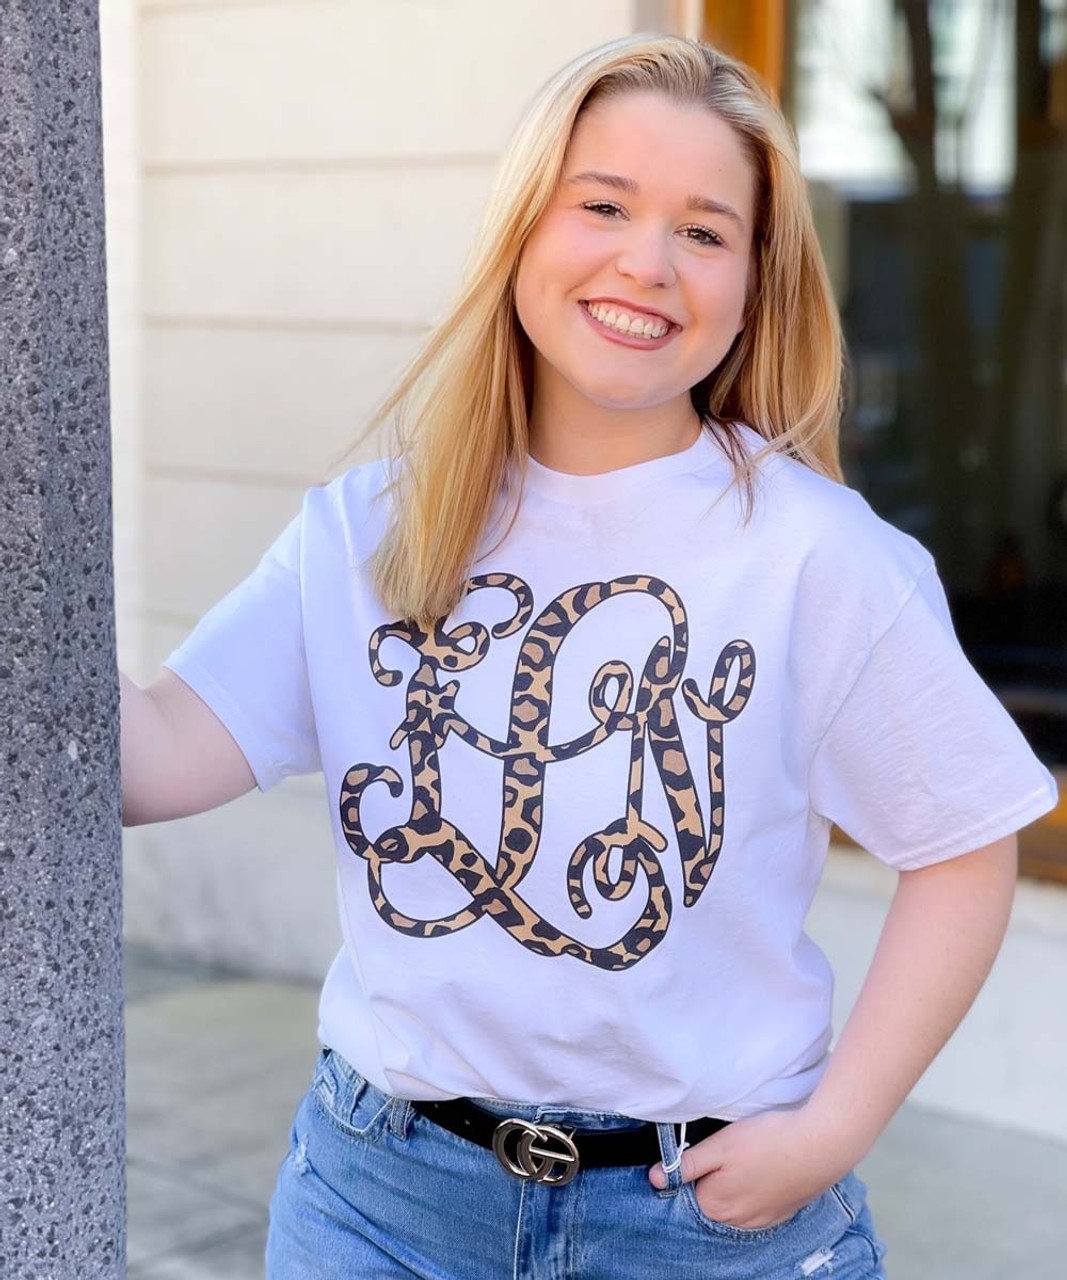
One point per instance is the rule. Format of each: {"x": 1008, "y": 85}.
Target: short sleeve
{"x": 922, "y": 762}
{"x": 246, "y": 659}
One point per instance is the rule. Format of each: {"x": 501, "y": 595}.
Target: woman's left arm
{"x": 944, "y": 928}
{"x": 942, "y": 933}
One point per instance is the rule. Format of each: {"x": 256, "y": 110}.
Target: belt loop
{"x": 400, "y": 1114}
{"x": 668, "y": 1152}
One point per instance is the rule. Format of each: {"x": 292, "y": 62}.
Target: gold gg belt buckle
{"x": 537, "y": 1162}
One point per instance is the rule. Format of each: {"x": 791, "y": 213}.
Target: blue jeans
{"x": 372, "y": 1188}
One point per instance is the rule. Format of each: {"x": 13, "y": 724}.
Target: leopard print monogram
{"x": 430, "y": 716}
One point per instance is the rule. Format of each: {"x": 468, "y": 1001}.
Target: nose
{"x": 646, "y": 258}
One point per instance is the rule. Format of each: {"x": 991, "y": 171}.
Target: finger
{"x": 696, "y": 1161}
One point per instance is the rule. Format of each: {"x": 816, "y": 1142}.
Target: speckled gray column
{"x": 62, "y": 1183}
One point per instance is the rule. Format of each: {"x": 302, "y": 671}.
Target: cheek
{"x": 550, "y": 274}
{"x": 527, "y": 283}
{"x": 720, "y": 295}
{"x": 578, "y": 247}
{"x": 561, "y": 256}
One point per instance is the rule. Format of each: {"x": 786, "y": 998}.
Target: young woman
{"x": 586, "y": 719}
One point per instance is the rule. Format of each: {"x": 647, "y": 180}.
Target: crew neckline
{"x": 563, "y": 486}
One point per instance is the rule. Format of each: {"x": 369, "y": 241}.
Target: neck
{"x": 588, "y": 439}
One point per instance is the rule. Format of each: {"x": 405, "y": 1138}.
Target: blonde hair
{"x": 461, "y": 404}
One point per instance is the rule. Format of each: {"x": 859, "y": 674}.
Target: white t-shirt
{"x": 579, "y": 829}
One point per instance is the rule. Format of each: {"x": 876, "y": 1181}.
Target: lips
{"x": 632, "y": 340}
{"x": 633, "y": 309}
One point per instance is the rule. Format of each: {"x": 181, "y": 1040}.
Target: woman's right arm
{"x": 177, "y": 756}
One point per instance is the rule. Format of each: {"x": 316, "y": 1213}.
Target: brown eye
{"x": 605, "y": 209}
{"x": 712, "y": 237}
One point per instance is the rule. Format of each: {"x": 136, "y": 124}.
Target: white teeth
{"x": 624, "y": 323}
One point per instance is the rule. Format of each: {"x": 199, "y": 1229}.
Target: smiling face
{"x": 651, "y": 223}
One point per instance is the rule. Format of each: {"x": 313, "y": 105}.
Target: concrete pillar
{"x": 62, "y": 1113}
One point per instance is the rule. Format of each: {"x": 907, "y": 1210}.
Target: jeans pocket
{"x": 347, "y": 1099}
{"x": 731, "y": 1231}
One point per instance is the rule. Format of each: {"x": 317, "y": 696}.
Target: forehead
{"x": 668, "y": 148}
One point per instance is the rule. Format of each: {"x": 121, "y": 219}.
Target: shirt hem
{"x": 1004, "y": 824}
{"x": 204, "y": 685}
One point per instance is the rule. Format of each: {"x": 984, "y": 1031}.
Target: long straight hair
{"x": 460, "y": 407}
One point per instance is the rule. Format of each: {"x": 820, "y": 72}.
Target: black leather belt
{"x": 533, "y": 1150}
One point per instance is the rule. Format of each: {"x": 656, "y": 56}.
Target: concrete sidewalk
{"x": 217, "y": 1064}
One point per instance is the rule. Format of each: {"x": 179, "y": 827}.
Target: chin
{"x": 610, "y": 394}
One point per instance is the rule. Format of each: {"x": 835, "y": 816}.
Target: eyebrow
{"x": 697, "y": 203}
